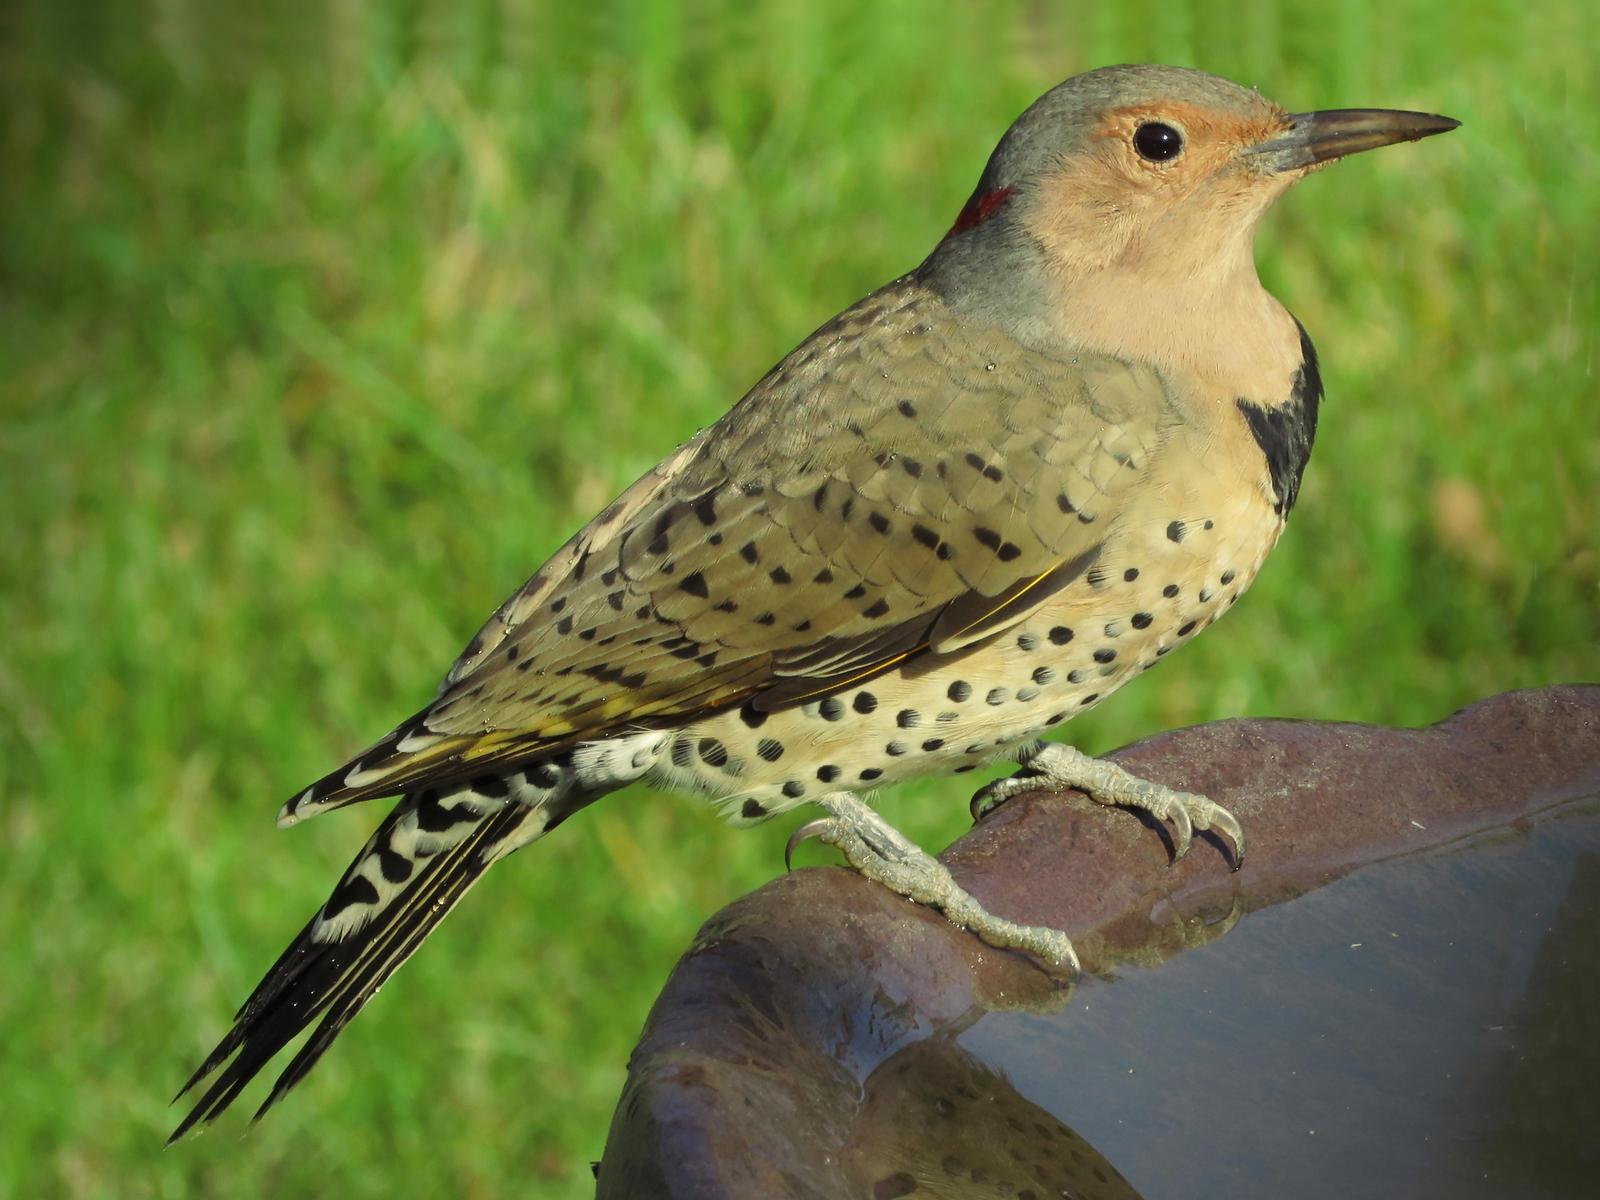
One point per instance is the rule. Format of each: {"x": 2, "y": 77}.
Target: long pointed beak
{"x": 1319, "y": 137}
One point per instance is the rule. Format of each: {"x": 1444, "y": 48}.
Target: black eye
{"x": 1157, "y": 142}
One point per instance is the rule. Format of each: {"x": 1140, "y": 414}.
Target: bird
{"x": 966, "y": 509}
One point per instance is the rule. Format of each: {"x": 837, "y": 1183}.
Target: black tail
{"x": 419, "y": 863}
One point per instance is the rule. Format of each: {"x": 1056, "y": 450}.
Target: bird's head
{"x": 1149, "y": 177}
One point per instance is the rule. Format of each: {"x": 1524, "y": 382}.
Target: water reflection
{"x": 1549, "y": 1127}
{"x": 936, "y": 1122}
{"x": 1418, "y": 1026}
{"x": 1421, "y": 1027}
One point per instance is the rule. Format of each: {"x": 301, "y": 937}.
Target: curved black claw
{"x": 1182, "y": 832}
{"x": 814, "y": 828}
{"x": 1227, "y": 823}
{"x": 995, "y": 793}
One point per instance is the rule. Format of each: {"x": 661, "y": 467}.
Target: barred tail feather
{"x": 410, "y": 874}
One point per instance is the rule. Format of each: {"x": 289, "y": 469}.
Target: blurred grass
{"x": 319, "y": 330}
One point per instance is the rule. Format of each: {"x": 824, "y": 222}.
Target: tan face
{"x": 1162, "y": 189}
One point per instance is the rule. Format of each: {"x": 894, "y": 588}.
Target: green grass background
{"x": 320, "y": 328}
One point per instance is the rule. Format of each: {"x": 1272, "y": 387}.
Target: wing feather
{"x": 904, "y": 483}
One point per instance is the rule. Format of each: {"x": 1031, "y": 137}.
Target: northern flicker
{"x": 964, "y": 510}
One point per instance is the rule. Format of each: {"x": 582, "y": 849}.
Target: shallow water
{"x": 1421, "y": 1027}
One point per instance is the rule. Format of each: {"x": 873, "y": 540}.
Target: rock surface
{"x": 758, "y": 1070}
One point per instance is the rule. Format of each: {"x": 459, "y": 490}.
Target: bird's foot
{"x": 1055, "y": 767}
{"x": 884, "y": 855}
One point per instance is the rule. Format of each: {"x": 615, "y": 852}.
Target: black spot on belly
{"x": 751, "y": 717}
{"x": 770, "y": 749}
{"x": 794, "y": 789}
{"x": 932, "y": 744}
{"x": 907, "y": 718}
{"x": 870, "y": 774}
{"x": 1286, "y": 432}
{"x": 1060, "y": 635}
{"x": 712, "y": 752}
{"x": 752, "y": 810}
{"x": 960, "y": 690}
{"x": 831, "y": 709}
{"x": 828, "y": 773}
